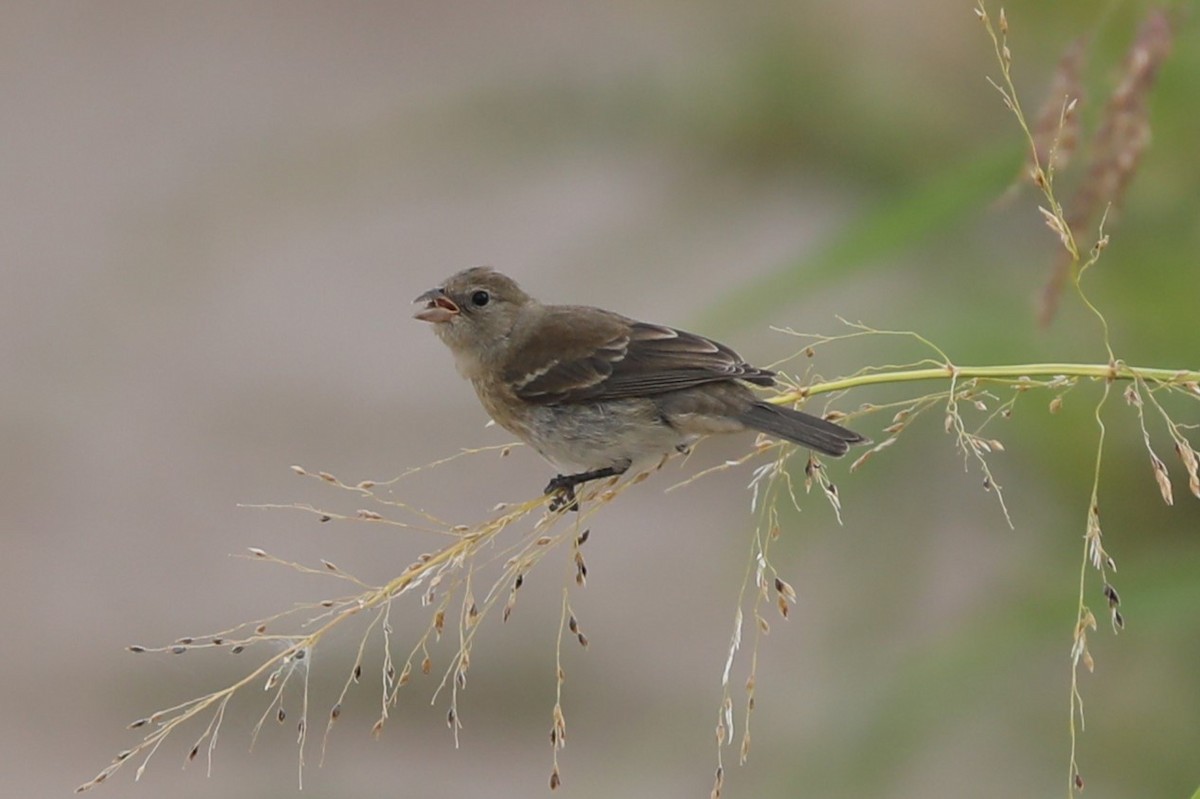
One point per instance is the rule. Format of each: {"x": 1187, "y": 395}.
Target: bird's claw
{"x": 564, "y": 487}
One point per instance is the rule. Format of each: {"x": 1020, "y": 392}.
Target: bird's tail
{"x": 801, "y": 428}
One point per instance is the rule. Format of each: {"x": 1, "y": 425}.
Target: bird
{"x": 594, "y": 391}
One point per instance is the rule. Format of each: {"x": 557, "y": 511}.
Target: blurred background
{"x": 214, "y": 217}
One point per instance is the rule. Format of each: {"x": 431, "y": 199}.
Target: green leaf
{"x": 939, "y": 204}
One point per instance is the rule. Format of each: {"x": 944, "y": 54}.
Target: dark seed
{"x": 1111, "y": 594}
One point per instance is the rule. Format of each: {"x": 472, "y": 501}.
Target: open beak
{"x": 438, "y": 307}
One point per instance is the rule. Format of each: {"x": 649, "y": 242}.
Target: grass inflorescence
{"x": 458, "y": 584}
{"x": 481, "y": 566}
{"x": 1115, "y": 153}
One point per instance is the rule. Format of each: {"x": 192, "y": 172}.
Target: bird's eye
{"x": 480, "y": 298}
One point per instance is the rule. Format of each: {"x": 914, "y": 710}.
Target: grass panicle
{"x": 500, "y": 552}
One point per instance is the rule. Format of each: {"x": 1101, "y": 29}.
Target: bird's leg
{"x": 564, "y": 485}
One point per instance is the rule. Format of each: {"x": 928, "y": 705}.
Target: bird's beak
{"x": 438, "y": 307}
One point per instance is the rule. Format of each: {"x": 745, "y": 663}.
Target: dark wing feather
{"x": 587, "y": 355}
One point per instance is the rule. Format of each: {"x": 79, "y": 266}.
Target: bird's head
{"x": 474, "y": 312}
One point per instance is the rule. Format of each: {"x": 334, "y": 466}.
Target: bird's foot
{"x": 563, "y": 485}
{"x": 565, "y": 491}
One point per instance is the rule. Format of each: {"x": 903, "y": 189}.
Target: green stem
{"x": 1116, "y": 371}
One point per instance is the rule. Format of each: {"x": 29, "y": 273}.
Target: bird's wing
{"x": 583, "y": 354}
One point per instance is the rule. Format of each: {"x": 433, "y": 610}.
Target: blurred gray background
{"x": 215, "y": 215}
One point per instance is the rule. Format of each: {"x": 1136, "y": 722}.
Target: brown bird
{"x": 593, "y": 390}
